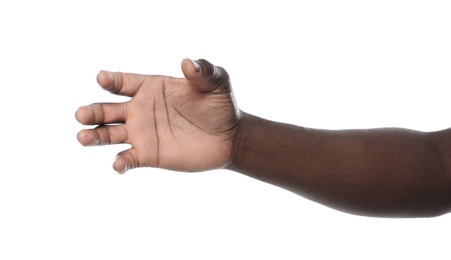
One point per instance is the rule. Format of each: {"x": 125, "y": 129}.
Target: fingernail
{"x": 197, "y": 66}
{"x": 105, "y": 79}
{"x": 95, "y": 142}
{"x": 120, "y": 171}
{"x": 109, "y": 74}
{"x": 110, "y": 77}
{"x": 125, "y": 169}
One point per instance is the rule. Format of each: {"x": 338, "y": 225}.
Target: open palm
{"x": 184, "y": 124}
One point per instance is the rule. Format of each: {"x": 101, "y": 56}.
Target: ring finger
{"x": 103, "y": 135}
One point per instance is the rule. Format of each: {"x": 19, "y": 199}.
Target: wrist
{"x": 242, "y": 142}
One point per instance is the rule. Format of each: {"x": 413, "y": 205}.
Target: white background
{"x": 321, "y": 64}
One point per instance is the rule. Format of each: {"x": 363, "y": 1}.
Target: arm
{"x": 376, "y": 172}
{"x": 194, "y": 124}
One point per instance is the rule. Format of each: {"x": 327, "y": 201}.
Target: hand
{"x": 183, "y": 124}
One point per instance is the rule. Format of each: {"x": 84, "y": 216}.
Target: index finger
{"x": 120, "y": 83}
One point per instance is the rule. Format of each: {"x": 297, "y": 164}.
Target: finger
{"x": 120, "y": 83}
{"x": 102, "y": 113}
{"x": 103, "y": 135}
{"x": 206, "y": 76}
{"x": 126, "y": 160}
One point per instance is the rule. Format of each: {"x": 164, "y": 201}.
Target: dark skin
{"x": 194, "y": 124}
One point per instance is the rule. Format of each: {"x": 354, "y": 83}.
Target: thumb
{"x": 206, "y": 76}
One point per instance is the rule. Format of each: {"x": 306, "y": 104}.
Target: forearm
{"x": 377, "y": 172}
